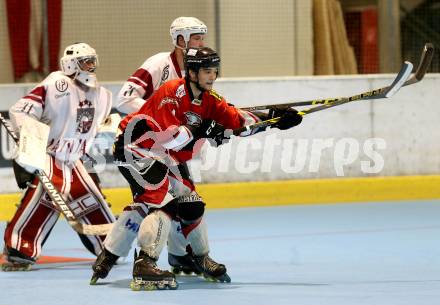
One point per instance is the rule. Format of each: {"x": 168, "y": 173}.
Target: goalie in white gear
{"x": 80, "y": 62}
{"x": 185, "y": 32}
{"x": 73, "y": 105}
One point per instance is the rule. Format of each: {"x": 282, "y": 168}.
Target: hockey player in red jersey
{"x": 73, "y": 104}
{"x": 154, "y": 141}
{"x": 185, "y": 32}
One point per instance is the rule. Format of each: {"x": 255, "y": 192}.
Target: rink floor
{"x": 362, "y": 253}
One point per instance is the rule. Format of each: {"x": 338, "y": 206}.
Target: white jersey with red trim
{"x": 72, "y": 113}
{"x": 155, "y": 71}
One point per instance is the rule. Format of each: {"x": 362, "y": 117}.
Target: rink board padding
{"x": 286, "y": 192}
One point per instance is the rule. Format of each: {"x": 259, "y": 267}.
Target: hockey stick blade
{"x": 102, "y": 229}
{"x": 400, "y": 80}
{"x": 52, "y": 191}
{"x": 422, "y": 68}
{"x": 425, "y": 61}
{"x": 384, "y": 92}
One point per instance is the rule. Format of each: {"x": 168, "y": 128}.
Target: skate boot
{"x": 147, "y": 276}
{"x": 16, "y": 266}
{"x": 182, "y": 264}
{"x": 102, "y": 266}
{"x": 16, "y": 261}
{"x": 210, "y": 269}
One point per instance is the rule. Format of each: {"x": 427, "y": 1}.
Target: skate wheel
{"x": 173, "y": 285}
{"x": 94, "y": 280}
{"x": 135, "y": 286}
{"x": 161, "y": 286}
{"x": 175, "y": 270}
{"x": 225, "y": 278}
{"x": 209, "y": 278}
{"x": 149, "y": 286}
{"x": 9, "y": 267}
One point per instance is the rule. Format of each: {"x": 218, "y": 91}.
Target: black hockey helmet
{"x": 201, "y": 58}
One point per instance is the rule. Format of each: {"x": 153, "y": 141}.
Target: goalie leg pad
{"x": 153, "y": 233}
{"x": 89, "y": 206}
{"x": 31, "y": 224}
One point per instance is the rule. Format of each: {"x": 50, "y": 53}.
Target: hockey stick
{"x": 380, "y": 93}
{"x": 53, "y": 193}
{"x": 425, "y": 61}
{"x": 373, "y": 94}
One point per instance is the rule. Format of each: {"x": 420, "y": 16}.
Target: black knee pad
{"x": 190, "y": 208}
{"x": 170, "y": 209}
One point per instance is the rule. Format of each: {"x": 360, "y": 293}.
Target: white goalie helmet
{"x": 81, "y": 61}
{"x": 186, "y": 26}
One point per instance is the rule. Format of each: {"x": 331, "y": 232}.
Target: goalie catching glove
{"x": 22, "y": 176}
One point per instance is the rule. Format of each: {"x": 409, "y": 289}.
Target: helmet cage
{"x": 80, "y": 61}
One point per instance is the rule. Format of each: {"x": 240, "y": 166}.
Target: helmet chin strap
{"x": 197, "y": 83}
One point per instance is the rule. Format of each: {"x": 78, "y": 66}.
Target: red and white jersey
{"x": 73, "y": 114}
{"x": 154, "y": 72}
{"x": 171, "y": 113}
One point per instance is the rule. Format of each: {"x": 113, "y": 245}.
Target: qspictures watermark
{"x": 294, "y": 156}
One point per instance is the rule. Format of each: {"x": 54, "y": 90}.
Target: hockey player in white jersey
{"x": 186, "y": 32}
{"x": 156, "y": 70}
{"x": 73, "y": 104}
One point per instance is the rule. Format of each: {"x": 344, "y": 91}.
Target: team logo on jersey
{"x": 193, "y": 119}
{"x": 84, "y": 119}
{"x": 165, "y": 73}
{"x": 61, "y": 85}
{"x": 168, "y": 100}
{"x": 85, "y": 103}
{"x": 215, "y": 94}
{"x": 180, "y": 92}
{"x": 196, "y": 102}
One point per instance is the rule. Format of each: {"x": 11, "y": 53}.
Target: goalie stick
{"x": 54, "y": 194}
{"x": 425, "y": 61}
{"x": 384, "y": 92}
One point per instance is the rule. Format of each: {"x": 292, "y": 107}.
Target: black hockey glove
{"x": 289, "y": 118}
{"x": 213, "y": 131}
{"x": 22, "y": 176}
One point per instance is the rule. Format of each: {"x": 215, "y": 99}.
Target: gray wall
{"x": 328, "y": 144}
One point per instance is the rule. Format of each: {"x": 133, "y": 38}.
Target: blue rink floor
{"x": 363, "y": 253}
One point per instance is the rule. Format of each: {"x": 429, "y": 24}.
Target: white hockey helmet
{"x": 81, "y": 61}
{"x": 186, "y": 26}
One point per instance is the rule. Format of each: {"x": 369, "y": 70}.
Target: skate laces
{"x": 106, "y": 260}
{"x": 154, "y": 266}
{"x": 207, "y": 262}
{"x": 148, "y": 260}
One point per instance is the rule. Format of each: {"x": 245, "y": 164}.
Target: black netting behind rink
{"x": 254, "y": 38}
